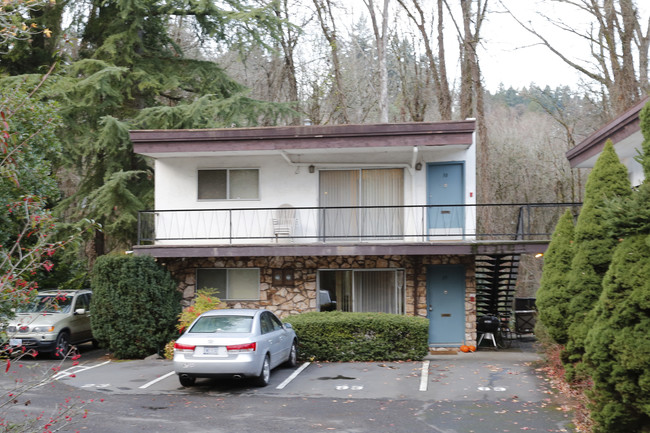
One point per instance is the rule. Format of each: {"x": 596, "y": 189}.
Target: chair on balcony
{"x": 284, "y": 221}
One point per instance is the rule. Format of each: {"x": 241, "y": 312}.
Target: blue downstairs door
{"x": 446, "y": 305}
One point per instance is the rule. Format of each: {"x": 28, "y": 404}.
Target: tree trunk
{"x": 381, "y": 40}
{"x": 328, "y": 25}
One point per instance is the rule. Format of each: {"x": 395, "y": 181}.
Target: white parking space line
{"x": 69, "y": 372}
{"x": 424, "y": 379}
{"x": 148, "y": 384}
{"x": 293, "y": 376}
{"x": 76, "y": 369}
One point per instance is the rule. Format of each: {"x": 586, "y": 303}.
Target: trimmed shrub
{"x": 135, "y": 305}
{"x": 593, "y": 248}
{"x": 552, "y": 297}
{"x": 339, "y": 336}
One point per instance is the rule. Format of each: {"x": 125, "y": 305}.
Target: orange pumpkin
{"x": 464, "y": 348}
{"x": 472, "y": 348}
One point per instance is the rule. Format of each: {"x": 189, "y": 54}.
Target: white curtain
{"x": 372, "y": 187}
{"x": 375, "y": 292}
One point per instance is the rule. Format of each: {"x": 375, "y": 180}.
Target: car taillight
{"x": 184, "y": 347}
{"x": 242, "y": 348}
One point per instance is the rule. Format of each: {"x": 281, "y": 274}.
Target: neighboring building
{"x": 375, "y": 218}
{"x": 625, "y": 133}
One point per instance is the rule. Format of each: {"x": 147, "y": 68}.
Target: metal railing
{"x": 344, "y": 224}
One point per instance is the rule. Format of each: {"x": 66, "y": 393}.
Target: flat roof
{"x": 166, "y": 142}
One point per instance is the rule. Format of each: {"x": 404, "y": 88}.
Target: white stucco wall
{"x": 281, "y": 183}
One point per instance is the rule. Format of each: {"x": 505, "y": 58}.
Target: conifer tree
{"x": 617, "y": 349}
{"x": 127, "y": 72}
{"x": 552, "y": 296}
{"x": 593, "y": 248}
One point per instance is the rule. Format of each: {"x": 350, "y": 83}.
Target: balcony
{"x": 311, "y": 230}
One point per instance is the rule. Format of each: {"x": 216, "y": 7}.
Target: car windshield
{"x": 47, "y": 304}
{"x": 211, "y": 324}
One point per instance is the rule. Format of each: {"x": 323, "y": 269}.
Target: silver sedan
{"x": 236, "y": 343}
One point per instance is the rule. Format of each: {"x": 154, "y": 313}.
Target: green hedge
{"x": 339, "y": 336}
{"x": 135, "y": 305}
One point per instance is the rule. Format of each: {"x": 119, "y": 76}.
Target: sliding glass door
{"x": 362, "y": 204}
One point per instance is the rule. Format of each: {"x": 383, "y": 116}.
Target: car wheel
{"x": 265, "y": 375}
{"x": 62, "y": 346}
{"x": 186, "y": 380}
{"x": 95, "y": 343}
{"x": 292, "y": 361}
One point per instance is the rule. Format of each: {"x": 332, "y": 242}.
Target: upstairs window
{"x": 229, "y": 184}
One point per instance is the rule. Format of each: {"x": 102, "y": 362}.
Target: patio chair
{"x": 284, "y": 221}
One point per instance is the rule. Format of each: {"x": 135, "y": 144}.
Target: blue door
{"x": 445, "y": 186}
{"x": 446, "y": 304}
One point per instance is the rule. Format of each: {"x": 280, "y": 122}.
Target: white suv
{"x": 52, "y": 322}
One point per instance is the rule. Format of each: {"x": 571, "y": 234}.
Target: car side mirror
{"x": 79, "y": 311}
{"x": 288, "y": 326}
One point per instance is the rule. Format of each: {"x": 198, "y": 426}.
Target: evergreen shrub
{"x": 594, "y": 244}
{"x": 552, "y": 297}
{"x": 344, "y": 337}
{"x": 617, "y": 348}
{"x": 135, "y": 305}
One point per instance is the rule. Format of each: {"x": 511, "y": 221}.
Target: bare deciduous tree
{"x": 380, "y": 31}
{"x": 437, "y": 66}
{"x": 619, "y": 48}
{"x": 326, "y": 18}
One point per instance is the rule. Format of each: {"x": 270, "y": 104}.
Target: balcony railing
{"x": 414, "y": 223}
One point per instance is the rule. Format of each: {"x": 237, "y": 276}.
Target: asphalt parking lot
{"x": 484, "y": 375}
{"x": 483, "y": 392}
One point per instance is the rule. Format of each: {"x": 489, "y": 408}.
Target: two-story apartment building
{"x": 370, "y": 218}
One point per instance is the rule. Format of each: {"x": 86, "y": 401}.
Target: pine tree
{"x": 552, "y": 296}
{"x": 594, "y": 245}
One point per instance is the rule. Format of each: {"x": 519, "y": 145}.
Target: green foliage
{"x": 644, "y": 117}
{"x": 617, "y": 349}
{"x": 340, "y": 336}
{"x": 593, "y": 246}
{"x": 135, "y": 305}
{"x": 32, "y": 154}
{"x": 552, "y": 297}
{"x": 128, "y": 72}
{"x": 203, "y": 302}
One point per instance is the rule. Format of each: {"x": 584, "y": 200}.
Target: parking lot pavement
{"x": 486, "y": 375}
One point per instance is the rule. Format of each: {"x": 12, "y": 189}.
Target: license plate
{"x": 215, "y": 351}
{"x": 15, "y": 342}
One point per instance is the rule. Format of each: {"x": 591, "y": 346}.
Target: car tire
{"x": 265, "y": 375}
{"x": 62, "y": 346}
{"x": 292, "y": 361}
{"x": 186, "y": 380}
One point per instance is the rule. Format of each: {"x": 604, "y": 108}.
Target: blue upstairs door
{"x": 445, "y": 186}
{"x": 446, "y": 305}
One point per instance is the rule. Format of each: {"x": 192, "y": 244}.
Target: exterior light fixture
{"x": 418, "y": 166}
{"x": 312, "y": 169}
{"x": 539, "y": 255}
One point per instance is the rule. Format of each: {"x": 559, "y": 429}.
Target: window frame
{"x": 227, "y": 288}
{"x": 228, "y": 184}
{"x": 399, "y": 279}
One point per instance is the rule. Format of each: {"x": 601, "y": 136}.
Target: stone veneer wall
{"x": 302, "y": 296}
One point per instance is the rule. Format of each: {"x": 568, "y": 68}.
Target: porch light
{"x": 418, "y": 166}
{"x": 312, "y": 169}
{"x": 539, "y": 255}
